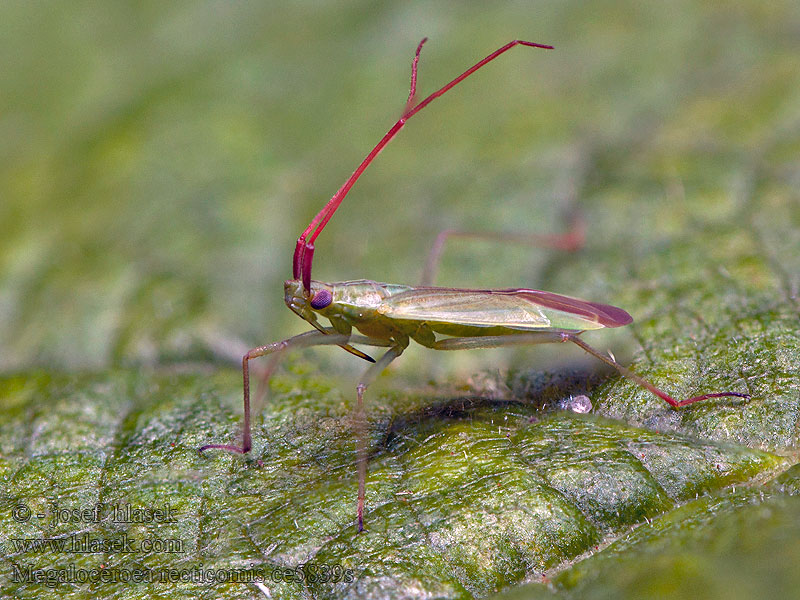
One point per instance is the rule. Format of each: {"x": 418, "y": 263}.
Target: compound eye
{"x": 321, "y": 299}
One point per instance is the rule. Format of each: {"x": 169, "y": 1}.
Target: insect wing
{"x": 513, "y": 308}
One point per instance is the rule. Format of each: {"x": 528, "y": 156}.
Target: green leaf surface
{"x": 739, "y": 544}
{"x": 462, "y": 501}
{"x": 157, "y": 162}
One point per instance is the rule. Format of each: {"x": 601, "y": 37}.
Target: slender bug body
{"x": 397, "y": 313}
{"x": 390, "y": 316}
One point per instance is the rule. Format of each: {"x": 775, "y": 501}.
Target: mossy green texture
{"x": 461, "y": 502}
{"x": 157, "y": 162}
{"x": 737, "y": 545}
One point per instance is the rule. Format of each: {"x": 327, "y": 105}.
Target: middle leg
{"x": 361, "y": 425}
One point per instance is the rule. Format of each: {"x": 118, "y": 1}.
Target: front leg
{"x": 325, "y": 337}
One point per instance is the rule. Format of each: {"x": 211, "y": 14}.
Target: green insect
{"x": 390, "y": 315}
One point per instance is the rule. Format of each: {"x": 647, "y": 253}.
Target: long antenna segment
{"x": 304, "y": 251}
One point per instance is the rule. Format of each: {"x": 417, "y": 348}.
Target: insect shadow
{"x": 533, "y": 394}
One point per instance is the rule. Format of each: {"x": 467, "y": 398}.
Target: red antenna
{"x": 304, "y": 251}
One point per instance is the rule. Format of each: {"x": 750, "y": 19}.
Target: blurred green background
{"x": 158, "y": 161}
